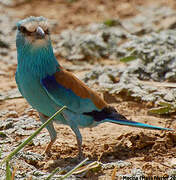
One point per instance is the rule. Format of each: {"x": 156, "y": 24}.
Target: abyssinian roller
{"x": 47, "y": 86}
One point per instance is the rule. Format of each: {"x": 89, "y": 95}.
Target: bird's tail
{"x": 109, "y": 114}
{"x": 135, "y": 124}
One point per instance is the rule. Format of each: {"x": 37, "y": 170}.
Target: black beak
{"x": 40, "y": 33}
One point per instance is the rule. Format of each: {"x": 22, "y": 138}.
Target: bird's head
{"x": 32, "y": 32}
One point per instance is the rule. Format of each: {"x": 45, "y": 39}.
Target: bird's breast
{"x": 34, "y": 93}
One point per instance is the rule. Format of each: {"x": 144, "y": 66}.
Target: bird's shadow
{"x": 117, "y": 153}
{"x": 67, "y": 164}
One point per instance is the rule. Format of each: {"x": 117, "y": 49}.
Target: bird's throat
{"x": 38, "y": 61}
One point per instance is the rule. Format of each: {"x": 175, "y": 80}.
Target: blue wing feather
{"x": 63, "y": 96}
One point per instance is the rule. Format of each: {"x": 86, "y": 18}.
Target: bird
{"x": 47, "y": 86}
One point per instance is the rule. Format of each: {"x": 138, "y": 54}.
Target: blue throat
{"x": 38, "y": 61}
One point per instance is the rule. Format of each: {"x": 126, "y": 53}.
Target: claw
{"x": 80, "y": 153}
{"x": 47, "y": 151}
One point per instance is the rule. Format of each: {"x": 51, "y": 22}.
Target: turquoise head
{"x": 33, "y": 32}
{"x": 34, "y": 49}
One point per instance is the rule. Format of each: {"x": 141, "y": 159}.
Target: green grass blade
{"x": 15, "y": 151}
{"x": 128, "y": 58}
{"x": 57, "y": 170}
{"x": 74, "y": 169}
{"x": 8, "y": 171}
{"x": 1, "y": 149}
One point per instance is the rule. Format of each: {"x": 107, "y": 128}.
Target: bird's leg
{"x": 79, "y": 143}
{"x": 79, "y": 140}
{"x": 51, "y": 131}
{"x": 75, "y": 129}
{"x": 48, "y": 148}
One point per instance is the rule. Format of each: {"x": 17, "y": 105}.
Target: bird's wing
{"x": 65, "y": 89}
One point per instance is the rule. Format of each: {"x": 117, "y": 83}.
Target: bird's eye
{"x": 22, "y": 29}
{"x": 47, "y": 31}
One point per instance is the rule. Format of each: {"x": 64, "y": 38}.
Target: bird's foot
{"x": 80, "y": 155}
{"x": 47, "y": 151}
